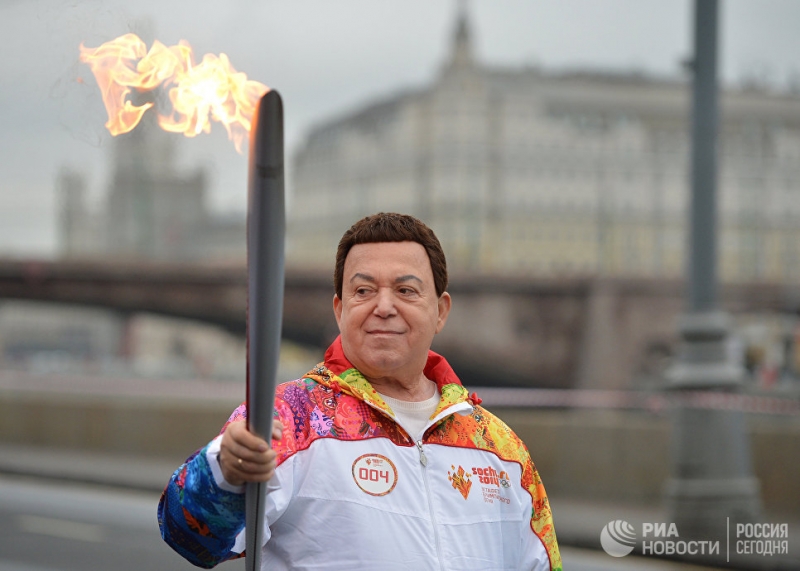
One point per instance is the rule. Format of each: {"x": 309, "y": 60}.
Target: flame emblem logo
{"x": 618, "y": 538}
{"x": 461, "y": 480}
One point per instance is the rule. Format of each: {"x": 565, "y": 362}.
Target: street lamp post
{"x": 711, "y": 479}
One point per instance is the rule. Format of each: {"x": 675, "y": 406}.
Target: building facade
{"x": 529, "y": 172}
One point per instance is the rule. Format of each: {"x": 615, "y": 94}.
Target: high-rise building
{"x": 151, "y": 211}
{"x": 78, "y": 231}
{"x": 528, "y": 171}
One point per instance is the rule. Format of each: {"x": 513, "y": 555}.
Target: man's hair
{"x": 392, "y": 227}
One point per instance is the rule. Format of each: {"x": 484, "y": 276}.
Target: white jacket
{"x": 353, "y": 491}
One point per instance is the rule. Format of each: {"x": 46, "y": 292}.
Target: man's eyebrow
{"x": 369, "y": 278}
{"x": 361, "y": 276}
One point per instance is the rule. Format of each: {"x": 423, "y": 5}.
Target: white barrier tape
{"x": 581, "y": 398}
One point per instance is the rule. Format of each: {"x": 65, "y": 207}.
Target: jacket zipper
{"x": 423, "y": 460}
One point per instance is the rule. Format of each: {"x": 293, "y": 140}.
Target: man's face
{"x": 389, "y": 311}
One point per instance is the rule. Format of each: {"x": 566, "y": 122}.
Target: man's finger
{"x": 250, "y": 467}
{"x": 277, "y": 430}
{"x": 246, "y": 471}
{"x": 243, "y": 437}
{"x": 235, "y": 453}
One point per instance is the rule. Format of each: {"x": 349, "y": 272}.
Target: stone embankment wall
{"x": 600, "y": 455}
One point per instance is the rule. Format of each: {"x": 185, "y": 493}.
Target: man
{"x": 381, "y": 460}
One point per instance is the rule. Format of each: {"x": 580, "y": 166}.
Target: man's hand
{"x": 245, "y": 457}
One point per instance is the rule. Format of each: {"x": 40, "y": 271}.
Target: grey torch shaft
{"x": 266, "y": 227}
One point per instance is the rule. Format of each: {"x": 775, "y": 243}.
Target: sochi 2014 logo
{"x": 618, "y": 538}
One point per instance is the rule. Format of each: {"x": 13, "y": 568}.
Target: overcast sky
{"x": 326, "y": 57}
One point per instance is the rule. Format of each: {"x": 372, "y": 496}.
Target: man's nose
{"x": 384, "y": 303}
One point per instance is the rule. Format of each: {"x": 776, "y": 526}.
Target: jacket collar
{"x": 436, "y": 369}
{"x": 338, "y": 373}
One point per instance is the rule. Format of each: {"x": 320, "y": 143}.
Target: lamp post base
{"x": 707, "y": 508}
{"x": 712, "y": 483}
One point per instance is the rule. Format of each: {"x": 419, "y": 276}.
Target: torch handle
{"x": 266, "y": 227}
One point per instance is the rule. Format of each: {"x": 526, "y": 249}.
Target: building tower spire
{"x": 462, "y": 43}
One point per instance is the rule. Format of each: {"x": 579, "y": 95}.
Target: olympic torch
{"x": 199, "y": 94}
{"x": 266, "y": 224}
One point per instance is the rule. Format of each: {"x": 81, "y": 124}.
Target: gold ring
{"x": 240, "y": 461}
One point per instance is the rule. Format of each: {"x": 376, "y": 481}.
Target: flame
{"x": 210, "y": 90}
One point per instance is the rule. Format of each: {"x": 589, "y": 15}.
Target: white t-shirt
{"x": 413, "y": 416}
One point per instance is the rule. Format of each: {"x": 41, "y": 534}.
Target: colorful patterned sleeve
{"x": 541, "y": 516}
{"x": 198, "y": 519}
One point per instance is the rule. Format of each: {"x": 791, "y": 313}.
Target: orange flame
{"x": 211, "y": 90}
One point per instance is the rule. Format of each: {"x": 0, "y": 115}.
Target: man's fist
{"x": 245, "y": 457}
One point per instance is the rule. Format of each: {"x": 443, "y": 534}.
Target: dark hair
{"x": 392, "y": 227}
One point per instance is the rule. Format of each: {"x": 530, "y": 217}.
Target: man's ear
{"x": 337, "y": 310}
{"x": 445, "y": 303}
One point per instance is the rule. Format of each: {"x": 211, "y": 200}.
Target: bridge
{"x": 571, "y": 332}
